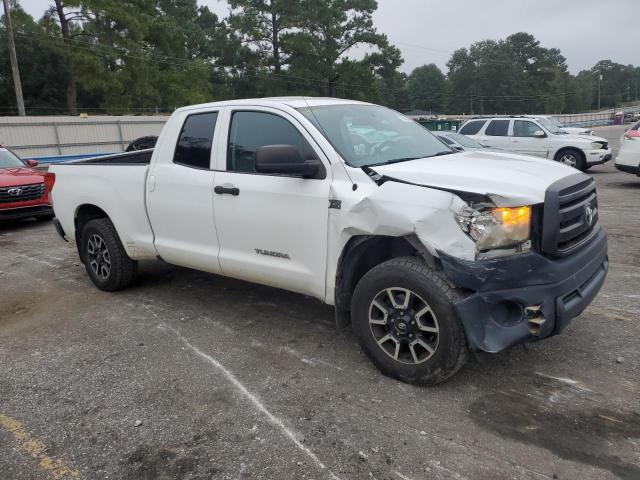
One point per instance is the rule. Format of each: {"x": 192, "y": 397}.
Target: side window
{"x": 524, "y": 128}
{"x": 497, "y": 128}
{"x": 252, "y": 130}
{"x": 472, "y": 127}
{"x": 194, "y": 144}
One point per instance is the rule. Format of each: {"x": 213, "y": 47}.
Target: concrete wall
{"x": 58, "y": 135}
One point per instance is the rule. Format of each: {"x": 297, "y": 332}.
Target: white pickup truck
{"x": 427, "y": 252}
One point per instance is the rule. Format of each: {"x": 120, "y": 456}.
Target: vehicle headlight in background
{"x": 596, "y": 145}
{"x": 506, "y": 229}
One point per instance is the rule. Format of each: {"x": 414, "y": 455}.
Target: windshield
{"x": 464, "y": 141}
{"x": 9, "y": 160}
{"x": 550, "y": 124}
{"x": 366, "y": 135}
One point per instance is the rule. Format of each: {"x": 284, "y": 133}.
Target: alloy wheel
{"x": 404, "y": 325}
{"x": 569, "y": 159}
{"x": 98, "y": 256}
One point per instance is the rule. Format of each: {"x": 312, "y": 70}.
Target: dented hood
{"x": 508, "y": 179}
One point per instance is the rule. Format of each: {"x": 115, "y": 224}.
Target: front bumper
{"x": 525, "y": 297}
{"x": 598, "y": 157}
{"x": 26, "y": 212}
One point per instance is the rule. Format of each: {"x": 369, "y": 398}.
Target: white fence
{"x": 51, "y": 136}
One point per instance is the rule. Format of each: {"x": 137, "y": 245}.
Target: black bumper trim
{"x": 629, "y": 169}
{"x": 494, "y": 316}
{"x": 25, "y": 212}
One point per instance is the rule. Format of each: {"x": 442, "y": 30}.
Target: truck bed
{"x": 114, "y": 184}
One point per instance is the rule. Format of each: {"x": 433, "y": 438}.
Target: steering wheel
{"x": 377, "y": 149}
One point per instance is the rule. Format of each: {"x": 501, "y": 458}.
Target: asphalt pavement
{"x": 188, "y": 375}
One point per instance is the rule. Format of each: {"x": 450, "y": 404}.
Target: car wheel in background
{"x": 105, "y": 259}
{"x": 45, "y": 218}
{"x": 403, "y": 315}
{"x": 572, "y": 158}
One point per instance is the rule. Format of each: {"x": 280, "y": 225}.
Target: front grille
{"x": 21, "y": 193}
{"x": 570, "y": 215}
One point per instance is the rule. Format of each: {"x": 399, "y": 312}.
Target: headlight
{"x": 596, "y": 145}
{"x": 497, "y": 228}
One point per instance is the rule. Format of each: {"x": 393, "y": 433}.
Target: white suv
{"x": 528, "y": 136}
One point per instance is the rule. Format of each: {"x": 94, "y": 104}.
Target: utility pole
{"x": 599, "y": 83}
{"x": 14, "y": 61}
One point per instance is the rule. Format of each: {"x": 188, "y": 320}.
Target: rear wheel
{"x": 105, "y": 259}
{"x": 572, "y": 158}
{"x": 405, "y": 320}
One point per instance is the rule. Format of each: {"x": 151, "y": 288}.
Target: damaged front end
{"x": 491, "y": 248}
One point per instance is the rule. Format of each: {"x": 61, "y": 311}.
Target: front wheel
{"x": 572, "y": 158}
{"x": 404, "y": 317}
{"x": 105, "y": 259}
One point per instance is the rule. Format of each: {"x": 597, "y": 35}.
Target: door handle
{"x": 230, "y": 190}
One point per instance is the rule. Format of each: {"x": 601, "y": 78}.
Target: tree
{"x": 329, "y": 30}
{"x": 42, "y": 69}
{"x": 263, "y": 23}
{"x": 427, "y": 86}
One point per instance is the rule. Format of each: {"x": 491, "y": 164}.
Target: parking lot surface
{"x": 188, "y": 375}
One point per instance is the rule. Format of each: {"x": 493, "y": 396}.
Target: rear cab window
{"x": 194, "y": 143}
{"x": 472, "y": 127}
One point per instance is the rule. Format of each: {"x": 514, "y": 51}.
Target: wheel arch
{"x": 363, "y": 252}
{"x": 83, "y": 215}
{"x": 562, "y": 150}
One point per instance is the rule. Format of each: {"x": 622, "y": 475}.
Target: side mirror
{"x": 539, "y": 134}
{"x": 32, "y": 163}
{"x": 286, "y": 160}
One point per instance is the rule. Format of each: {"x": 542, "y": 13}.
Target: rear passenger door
{"x": 180, "y": 193}
{"x": 272, "y": 228}
{"x": 525, "y": 141}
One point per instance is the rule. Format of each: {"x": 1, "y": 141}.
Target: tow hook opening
{"x": 535, "y": 319}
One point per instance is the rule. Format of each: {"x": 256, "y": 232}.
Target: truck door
{"x": 524, "y": 140}
{"x": 272, "y": 228}
{"x": 180, "y": 193}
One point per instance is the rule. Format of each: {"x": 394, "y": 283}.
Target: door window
{"x": 472, "y": 127}
{"x": 524, "y": 128}
{"x": 194, "y": 144}
{"x": 497, "y": 128}
{"x": 252, "y": 130}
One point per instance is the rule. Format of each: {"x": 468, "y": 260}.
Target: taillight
{"x": 631, "y": 134}
{"x": 49, "y": 180}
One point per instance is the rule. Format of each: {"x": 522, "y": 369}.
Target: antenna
{"x": 354, "y": 185}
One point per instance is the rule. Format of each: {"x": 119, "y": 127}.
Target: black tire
{"x": 576, "y": 155}
{"x": 45, "y": 218}
{"x": 121, "y": 271}
{"x": 427, "y": 285}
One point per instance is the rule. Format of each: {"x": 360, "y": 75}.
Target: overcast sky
{"x": 427, "y": 31}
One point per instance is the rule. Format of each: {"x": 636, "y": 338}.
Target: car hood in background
{"x": 10, "y": 177}
{"x": 508, "y": 179}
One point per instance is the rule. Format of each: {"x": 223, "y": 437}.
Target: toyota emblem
{"x": 15, "y": 192}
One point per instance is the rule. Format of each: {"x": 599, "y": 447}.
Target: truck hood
{"x": 10, "y": 177}
{"x": 508, "y": 179}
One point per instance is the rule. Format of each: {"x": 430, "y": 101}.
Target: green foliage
{"x": 118, "y": 56}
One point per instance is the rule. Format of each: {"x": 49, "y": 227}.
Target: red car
{"x": 24, "y": 191}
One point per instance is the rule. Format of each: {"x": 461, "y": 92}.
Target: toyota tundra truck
{"x": 426, "y": 252}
